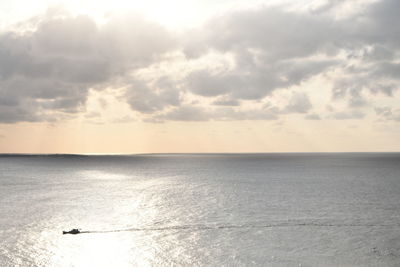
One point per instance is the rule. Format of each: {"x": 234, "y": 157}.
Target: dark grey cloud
{"x": 254, "y": 81}
{"x": 51, "y": 68}
{"x": 272, "y": 49}
{"x": 328, "y": 6}
{"x": 152, "y": 97}
{"x": 275, "y": 49}
{"x": 199, "y": 113}
{"x": 187, "y": 113}
{"x": 379, "y": 53}
{"x": 373, "y": 40}
{"x": 226, "y": 102}
{"x": 271, "y": 32}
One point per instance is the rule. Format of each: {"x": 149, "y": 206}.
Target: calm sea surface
{"x": 201, "y": 210}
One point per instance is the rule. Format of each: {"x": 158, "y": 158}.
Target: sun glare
{"x": 173, "y": 13}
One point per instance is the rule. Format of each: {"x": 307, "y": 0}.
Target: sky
{"x": 199, "y": 76}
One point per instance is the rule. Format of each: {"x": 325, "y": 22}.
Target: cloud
{"x": 275, "y": 49}
{"x": 374, "y": 48}
{"x": 153, "y": 97}
{"x": 388, "y": 113}
{"x": 312, "y": 116}
{"x": 253, "y": 81}
{"x": 46, "y": 72}
{"x": 223, "y": 109}
{"x": 51, "y": 68}
{"x": 299, "y": 103}
{"x": 226, "y": 102}
{"x": 270, "y": 33}
{"x": 187, "y": 113}
{"x": 271, "y": 48}
{"x": 197, "y": 113}
{"x": 348, "y": 115}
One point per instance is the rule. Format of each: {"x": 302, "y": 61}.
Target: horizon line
{"x": 195, "y": 153}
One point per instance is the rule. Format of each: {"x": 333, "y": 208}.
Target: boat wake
{"x": 195, "y": 227}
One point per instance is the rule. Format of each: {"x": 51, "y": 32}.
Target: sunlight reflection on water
{"x": 200, "y": 210}
{"x": 99, "y": 250}
{"x": 101, "y": 175}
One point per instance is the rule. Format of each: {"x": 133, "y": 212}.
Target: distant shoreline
{"x": 63, "y": 155}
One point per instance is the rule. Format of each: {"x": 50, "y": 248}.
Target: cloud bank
{"x": 250, "y": 64}
{"x": 46, "y": 73}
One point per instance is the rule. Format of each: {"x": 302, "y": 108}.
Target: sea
{"x": 278, "y": 209}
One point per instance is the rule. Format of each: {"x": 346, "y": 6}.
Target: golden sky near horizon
{"x": 199, "y": 76}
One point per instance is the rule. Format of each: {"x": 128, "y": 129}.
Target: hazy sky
{"x": 199, "y": 76}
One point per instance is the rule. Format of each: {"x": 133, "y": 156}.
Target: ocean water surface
{"x": 340, "y": 209}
